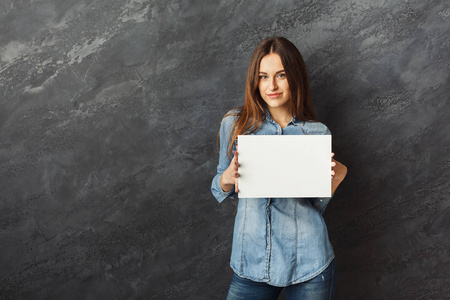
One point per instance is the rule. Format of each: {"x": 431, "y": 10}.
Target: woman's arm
{"x": 337, "y": 175}
{"x": 229, "y": 178}
{"x": 223, "y": 186}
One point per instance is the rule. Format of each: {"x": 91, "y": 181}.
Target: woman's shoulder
{"x": 315, "y": 127}
{"x": 231, "y": 116}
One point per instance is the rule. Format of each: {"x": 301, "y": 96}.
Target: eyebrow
{"x": 281, "y": 71}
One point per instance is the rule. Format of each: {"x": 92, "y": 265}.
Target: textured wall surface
{"x": 109, "y": 112}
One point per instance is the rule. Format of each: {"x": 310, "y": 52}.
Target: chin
{"x": 276, "y": 104}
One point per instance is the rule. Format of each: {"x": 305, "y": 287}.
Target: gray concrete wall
{"x": 109, "y": 112}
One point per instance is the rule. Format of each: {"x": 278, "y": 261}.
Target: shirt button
{"x": 278, "y": 131}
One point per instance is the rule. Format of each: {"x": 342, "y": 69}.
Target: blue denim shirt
{"x": 280, "y": 241}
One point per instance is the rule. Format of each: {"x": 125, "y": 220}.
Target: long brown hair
{"x": 251, "y": 115}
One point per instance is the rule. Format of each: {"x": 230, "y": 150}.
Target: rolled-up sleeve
{"x": 224, "y": 159}
{"x": 321, "y": 203}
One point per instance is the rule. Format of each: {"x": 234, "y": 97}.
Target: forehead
{"x": 271, "y": 63}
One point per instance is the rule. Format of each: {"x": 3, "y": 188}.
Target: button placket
{"x": 278, "y": 129}
{"x": 268, "y": 229}
{"x": 268, "y": 238}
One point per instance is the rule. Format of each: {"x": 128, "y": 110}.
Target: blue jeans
{"x": 320, "y": 287}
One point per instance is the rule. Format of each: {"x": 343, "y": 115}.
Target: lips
{"x": 274, "y": 95}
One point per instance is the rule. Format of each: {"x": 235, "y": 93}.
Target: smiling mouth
{"x": 274, "y": 95}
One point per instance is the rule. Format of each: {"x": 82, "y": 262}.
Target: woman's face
{"x": 273, "y": 85}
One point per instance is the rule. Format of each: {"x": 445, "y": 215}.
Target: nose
{"x": 273, "y": 85}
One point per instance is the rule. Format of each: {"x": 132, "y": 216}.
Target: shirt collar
{"x": 269, "y": 118}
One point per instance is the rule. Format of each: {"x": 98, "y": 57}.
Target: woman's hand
{"x": 338, "y": 172}
{"x": 229, "y": 178}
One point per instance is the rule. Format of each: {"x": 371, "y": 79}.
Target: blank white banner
{"x": 284, "y": 166}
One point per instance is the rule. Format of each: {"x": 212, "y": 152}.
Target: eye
{"x": 281, "y": 75}
{"x": 262, "y": 76}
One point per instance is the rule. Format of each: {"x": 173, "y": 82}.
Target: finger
{"x": 333, "y": 173}
{"x": 236, "y": 180}
{"x": 235, "y": 164}
{"x": 332, "y": 154}
{"x": 333, "y": 164}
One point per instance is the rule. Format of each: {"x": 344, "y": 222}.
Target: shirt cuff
{"x": 322, "y": 203}
{"x": 217, "y": 191}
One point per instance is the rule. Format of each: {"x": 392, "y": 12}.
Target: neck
{"x": 280, "y": 115}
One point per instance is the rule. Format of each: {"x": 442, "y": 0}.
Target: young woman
{"x": 277, "y": 242}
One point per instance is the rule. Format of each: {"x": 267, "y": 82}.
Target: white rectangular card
{"x": 284, "y": 166}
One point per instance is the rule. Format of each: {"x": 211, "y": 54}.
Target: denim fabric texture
{"x": 280, "y": 241}
{"x": 321, "y": 287}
